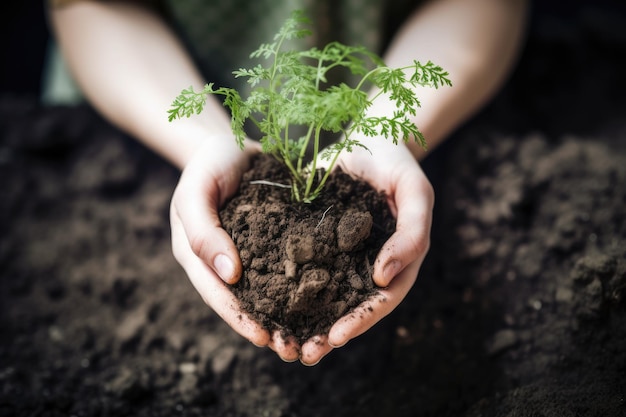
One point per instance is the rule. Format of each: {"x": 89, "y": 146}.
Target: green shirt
{"x": 220, "y": 35}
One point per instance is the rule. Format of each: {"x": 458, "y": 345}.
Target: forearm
{"x": 476, "y": 41}
{"x": 131, "y": 66}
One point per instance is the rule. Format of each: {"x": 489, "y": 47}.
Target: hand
{"x": 411, "y": 197}
{"x": 204, "y": 249}
{"x": 199, "y": 243}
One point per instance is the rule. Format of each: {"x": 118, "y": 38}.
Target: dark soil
{"x": 305, "y": 265}
{"x": 519, "y": 309}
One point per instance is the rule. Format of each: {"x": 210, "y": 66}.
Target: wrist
{"x": 219, "y": 145}
{"x": 380, "y": 152}
{"x": 188, "y": 141}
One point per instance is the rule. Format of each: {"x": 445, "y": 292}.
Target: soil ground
{"x": 519, "y": 310}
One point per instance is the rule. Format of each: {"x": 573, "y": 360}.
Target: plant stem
{"x": 305, "y": 145}
{"x": 286, "y": 139}
{"x": 311, "y": 178}
{"x": 320, "y": 186}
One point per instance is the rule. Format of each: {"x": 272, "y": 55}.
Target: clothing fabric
{"x": 220, "y": 35}
{"x": 225, "y": 33}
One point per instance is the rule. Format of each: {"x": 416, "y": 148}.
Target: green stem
{"x": 366, "y": 76}
{"x": 316, "y": 149}
{"x": 286, "y": 140}
{"x": 304, "y": 147}
{"x": 375, "y": 70}
{"x": 272, "y": 87}
{"x": 294, "y": 173}
{"x": 320, "y": 186}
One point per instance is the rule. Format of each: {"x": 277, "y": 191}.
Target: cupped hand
{"x": 394, "y": 170}
{"x": 204, "y": 249}
{"x": 211, "y": 260}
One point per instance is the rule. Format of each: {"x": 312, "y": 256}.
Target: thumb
{"x": 411, "y": 239}
{"x": 196, "y": 202}
{"x": 397, "y": 253}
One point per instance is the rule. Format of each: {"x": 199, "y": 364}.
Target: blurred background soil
{"x": 519, "y": 310}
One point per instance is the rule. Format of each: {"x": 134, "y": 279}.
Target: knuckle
{"x": 178, "y": 253}
{"x": 429, "y": 193}
{"x": 420, "y": 244}
{"x": 199, "y": 246}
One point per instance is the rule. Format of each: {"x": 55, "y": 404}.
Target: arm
{"x": 130, "y": 66}
{"x": 476, "y": 41}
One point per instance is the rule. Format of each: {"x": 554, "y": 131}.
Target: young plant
{"x": 292, "y": 90}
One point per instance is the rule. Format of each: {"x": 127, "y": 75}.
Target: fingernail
{"x": 310, "y": 364}
{"x": 337, "y": 345}
{"x": 224, "y": 267}
{"x": 258, "y": 345}
{"x": 391, "y": 270}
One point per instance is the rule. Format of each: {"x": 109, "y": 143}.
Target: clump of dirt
{"x": 305, "y": 264}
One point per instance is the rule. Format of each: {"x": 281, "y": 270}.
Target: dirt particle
{"x": 402, "y": 332}
{"x": 353, "y": 228}
{"x": 130, "y": 384}
{"x": 131, "y": 329}
{"x": 355, "y": 281}
{"x": 300, "y": 248}
{"x": 290, "y": 269}
{"x": 187, "y": 368}
{"x": 223, "y": 360}
{"x": 501, "y": 341}
{"x": 312, "y": 282}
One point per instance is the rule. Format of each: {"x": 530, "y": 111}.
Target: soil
{"x": 305, "y": 264}
{"x": 519, "y": 309}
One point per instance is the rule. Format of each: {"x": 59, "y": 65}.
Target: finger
{"x": 287, "y": 349}
{"x": 411, "y": 239}
{"x": 197, "y": 207}
{"x": 212, "y": 289}
{"x": 374, "y": 309}
{"x": 314, "y": 349}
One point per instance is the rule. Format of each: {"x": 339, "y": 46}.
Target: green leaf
{"x": 430, "y": 75}
{"x": 291, "y": 88}
{"x": 187, "y": 103}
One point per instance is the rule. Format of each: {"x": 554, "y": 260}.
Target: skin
{"x": 476, "y": 41}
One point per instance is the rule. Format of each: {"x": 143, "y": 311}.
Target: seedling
{"x": 292, "y": 89}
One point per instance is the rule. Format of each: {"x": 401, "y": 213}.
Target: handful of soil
{"x": 305, "y": 265}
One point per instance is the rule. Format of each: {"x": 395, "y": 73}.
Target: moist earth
{"x": 519, "y": 308}
{"x": 305, "y": 264}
